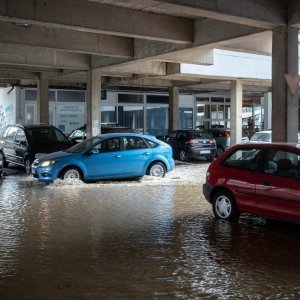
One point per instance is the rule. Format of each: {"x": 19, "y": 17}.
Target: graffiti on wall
{"x": 6, "y": 116}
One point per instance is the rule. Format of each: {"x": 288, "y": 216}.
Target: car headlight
{"x": 48, "y": 163}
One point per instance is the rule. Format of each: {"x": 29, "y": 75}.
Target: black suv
{"x": 21, "y": 144}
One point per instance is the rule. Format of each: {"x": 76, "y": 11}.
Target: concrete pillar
{"x": 284, "y": 105}
{"x": 292, "y": 100}
{"x": 236, "y": 105}
{"x": 43, "y": 99}
{"x": 93, "y": 107}
{"x": 267, "y": 111}
{"x": 173, "y": 108}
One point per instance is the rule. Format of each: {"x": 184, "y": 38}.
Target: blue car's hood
{"x": 54, "y": 155}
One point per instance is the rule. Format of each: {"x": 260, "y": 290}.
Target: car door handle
{"x": 147, "y": 153}
{"x": 266, "y": 182}
{"x": 117, "y": 156}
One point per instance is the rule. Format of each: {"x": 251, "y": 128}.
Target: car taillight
{"x": 191, "y": 142}
{"x": 227, "y": 133}
{"x": 207, "y": 176}
{"x": 213, "y": 141}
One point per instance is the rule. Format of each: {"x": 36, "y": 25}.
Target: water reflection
{"x": 118, "y": 241}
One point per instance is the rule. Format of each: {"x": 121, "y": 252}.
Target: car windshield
{"x": 45, "y": 135}
{"x": 84, "y": 145}
{"x": 199, "y": 135}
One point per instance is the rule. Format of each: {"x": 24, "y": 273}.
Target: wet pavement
{"x": 154, "y": 239}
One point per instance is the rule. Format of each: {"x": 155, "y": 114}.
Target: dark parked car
{"x": 107, "y": 156}
{"x": 258, "y": 178}
{"x": 222, "y": 137}
{"x": 79, "y": 134}
{"x": 191, "y": 144}
{"x": 21, "y": 144}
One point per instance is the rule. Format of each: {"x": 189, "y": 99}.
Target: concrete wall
{"x": 8, "y": 107}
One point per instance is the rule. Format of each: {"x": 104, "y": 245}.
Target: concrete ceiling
{"x": 136, "y": 43}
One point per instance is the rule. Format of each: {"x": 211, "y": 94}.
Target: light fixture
{"x": 22, "y": 24}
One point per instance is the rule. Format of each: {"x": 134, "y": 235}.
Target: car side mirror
{"x": 94, "y": 151}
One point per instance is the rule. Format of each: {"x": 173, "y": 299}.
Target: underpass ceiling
{"x": 132, "y": 42}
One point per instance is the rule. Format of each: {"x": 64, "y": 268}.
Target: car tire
{"x": 210, "y": 158}
{"x": 183, "y": 156}
{"x": 71, "y": 173}
{"x": 224, "y": 206}
{"x": 156, "y": 169}
{"x": 27, "y": 163}
{"x": 4, "y": 162}
{"x": 220, "y": 151}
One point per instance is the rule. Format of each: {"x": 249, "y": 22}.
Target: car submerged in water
{"x": 107, "y": 156}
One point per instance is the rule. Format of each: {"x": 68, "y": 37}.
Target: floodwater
{"x": 137, "y": 240}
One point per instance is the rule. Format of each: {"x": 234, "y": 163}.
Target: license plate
{"x": 204, "y": 151}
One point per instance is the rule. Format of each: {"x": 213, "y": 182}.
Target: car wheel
{"x": 157, "y": 170}
{"x": 210, "y": 158}
{"x": 71, "y": 173}
{"x": 28, "y": 165}
{"x": 3, "y": 162}
{"x": 224, "y": 206}
{"x": 183, "y": 155}
{"x": 220, "y": 151}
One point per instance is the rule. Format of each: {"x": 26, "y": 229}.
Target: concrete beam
{"x": 99, "y": 18}
{"x": 294, "y": 13}
{"x": 17, "y": 74}
{"x": 214, "y": 33}
{"x": 146, "y": 68}
{"x": 45, "y": 58}
{"x": 69, "y": 40}
{"x": 259, "y": 13}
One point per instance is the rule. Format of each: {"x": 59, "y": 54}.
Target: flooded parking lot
{"x": 154, "y": 239}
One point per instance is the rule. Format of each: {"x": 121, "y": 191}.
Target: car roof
{"x": 268, "y": 145}
{"x": 117, "y": 134}
{"x": 32, "y": 126}
{"x": 264, "y": 131}
{"x": 188, "y": 130}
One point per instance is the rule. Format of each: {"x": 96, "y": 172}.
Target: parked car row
{"x": 48, "y": 154}
{"x": 258, "y": 177}
{"x": 265, "y": 137}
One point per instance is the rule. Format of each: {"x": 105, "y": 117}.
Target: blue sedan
{"x": 107, "y": 156}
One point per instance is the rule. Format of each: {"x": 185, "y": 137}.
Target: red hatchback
{"x": 262, "y": 179}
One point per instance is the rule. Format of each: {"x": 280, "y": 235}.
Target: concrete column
{"x": 284, "y": 105}
{"x": 236, "y": 104}
{"x": 292, "y": 100}
{"x": 93, "y": 107}
{"x": 43, "y": 99}
{"x": 173, "y": 108}
{"x": 267, "y": 111}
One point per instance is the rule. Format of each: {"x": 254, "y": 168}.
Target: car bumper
{"x": 43, "y": 174}
{"x": 197, "y": 154}
{"x": 207, "y": 190}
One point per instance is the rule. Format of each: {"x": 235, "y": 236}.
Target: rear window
{"x": 199, "y": 135}
{"x": 42, "y": 135}
{"x": 247, "y": 158}
{"x": 152, "y": 144}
